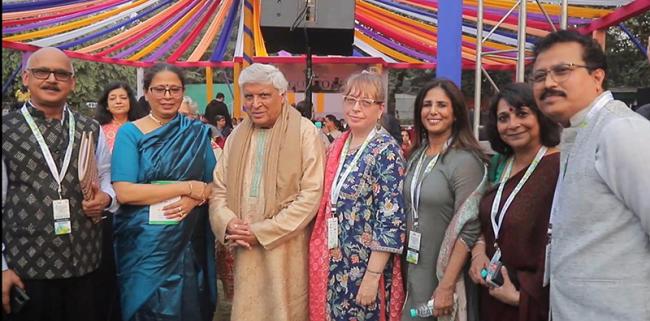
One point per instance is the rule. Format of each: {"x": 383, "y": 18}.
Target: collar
{"x": 38, "y": 114}
{"x": 580, "y": 116}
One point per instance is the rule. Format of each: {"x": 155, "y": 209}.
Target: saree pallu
{"x": 166, "y": 272}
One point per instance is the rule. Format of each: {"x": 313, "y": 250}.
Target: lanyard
{"x": 58, "y": 176}
{"x": 416, "y": 181}
{"x": 600, "y": 103}
{"x": 496, "y": 226}
{"x": 337, "y": 185}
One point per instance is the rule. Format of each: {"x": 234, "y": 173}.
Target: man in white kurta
{"x": 267, "y": 188}
{"x": 599, "y": 259}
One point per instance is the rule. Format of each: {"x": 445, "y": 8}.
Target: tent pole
{"x": 564, "y": 16}
{"x": 521, "y": 42}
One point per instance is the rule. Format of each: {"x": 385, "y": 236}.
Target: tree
{"x": 628, "y": 67}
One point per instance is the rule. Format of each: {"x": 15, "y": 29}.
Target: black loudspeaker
{"x": 329, "y": 24}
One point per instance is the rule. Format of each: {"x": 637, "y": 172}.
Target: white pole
{"x": 521, "y": 43}
{"x": 139, "y": 82}
{"x": 565, "y": 15}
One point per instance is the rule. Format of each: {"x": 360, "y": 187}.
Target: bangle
{"x": 373, "y": 272}
{"x": 190, "y": 183}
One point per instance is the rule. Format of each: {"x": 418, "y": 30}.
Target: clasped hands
{"x": 238, "y": 233}
{"x": 198, "y": 193}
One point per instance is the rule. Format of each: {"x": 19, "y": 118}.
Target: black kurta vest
{"x": 31, "y": 248}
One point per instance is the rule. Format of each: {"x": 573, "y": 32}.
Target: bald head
{"x": 48, "y": 53}
{"x": 49, "y": 77}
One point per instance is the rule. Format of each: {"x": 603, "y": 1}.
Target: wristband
{"x": 373, "y": 272}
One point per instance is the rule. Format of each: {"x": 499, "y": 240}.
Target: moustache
{"x": 55, "y": 88}
{"x": 551, "y": 92}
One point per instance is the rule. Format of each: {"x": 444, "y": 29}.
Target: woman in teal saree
{"x": 163, "y": 244}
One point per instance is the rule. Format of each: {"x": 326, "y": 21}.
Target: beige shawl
{"x": 281, "y": 180}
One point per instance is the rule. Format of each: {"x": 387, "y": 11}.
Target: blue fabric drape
{"x": 166, "y": 272}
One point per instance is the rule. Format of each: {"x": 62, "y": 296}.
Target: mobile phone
{"x": 19, "y": 299}
{"x": 493, "y": 276}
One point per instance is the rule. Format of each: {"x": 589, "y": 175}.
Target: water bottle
{"x": 426, "y": 309}
{"x": 423, "y": 310}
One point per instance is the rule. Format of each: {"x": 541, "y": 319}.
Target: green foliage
{"x": 628, "y": 67}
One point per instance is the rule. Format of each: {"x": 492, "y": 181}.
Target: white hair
{"x": 264, "y": 74}
{"x": 191, "y": 104}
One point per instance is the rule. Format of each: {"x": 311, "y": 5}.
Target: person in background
{"x": 332, "y": 128}
{"x": 444, "y": 183}
{"x": 114, "y": 109}
{"x": 143, "y": 106}
{"x": 354, "y": 251}
{"x": 161, "y": 166}
{"x": 407, "y": 146}
{"x": 517, "y": 222}
{"x": 391, "y": 123}
{"x": 266, "y": 191}
{"x": 600, "y": 222}
{"x": 188, "y": 108}
{"x": 218, "y": 107}
{"x": 53, "y": 245}
{"x": 305, "y": 111}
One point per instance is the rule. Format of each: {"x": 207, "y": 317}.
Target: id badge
{"x": 494, "y": 266}
{"x": 332, "y": 233}
{"x": 547, "y": 265}
{"x": 61, "y": 209}
{"x": 412, "y": 256}
{"x": 414, "y": 240}
{"x": 61, "y": 215}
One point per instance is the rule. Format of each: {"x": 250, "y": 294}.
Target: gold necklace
{"x": 160, "y": 122}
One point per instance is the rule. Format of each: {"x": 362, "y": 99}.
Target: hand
{"x": 367, "y": 294}
{"x": 479, "y": 262}
{"x": 443, "y": 300}
{"x": 9, "y": 280}
{"x": 181, "y": 208}
{"x": 239, "y": 232}
{"x": 507, "y": 293}
{"x": 94, "y": 207}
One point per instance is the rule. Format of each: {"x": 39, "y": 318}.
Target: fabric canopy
{"x": 197, "y": 33}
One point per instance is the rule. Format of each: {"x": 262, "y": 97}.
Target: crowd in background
{"x": 328, "y": 219}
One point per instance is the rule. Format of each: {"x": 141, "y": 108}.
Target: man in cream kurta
{"x": 599, "y": 261}
{"x": 267, "y": 187}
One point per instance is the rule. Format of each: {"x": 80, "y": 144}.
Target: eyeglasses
{"x": 174, "y": 91}
{"x": 363, "y": 102}
{"x": 44, "y": 73}
{"x": 559, "y": 73}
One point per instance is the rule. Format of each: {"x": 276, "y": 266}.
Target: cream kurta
{"x": 271, "y": 280}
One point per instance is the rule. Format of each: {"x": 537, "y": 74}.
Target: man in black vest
{"x": 217, "y": 107}
{"x": 50, "y": 234}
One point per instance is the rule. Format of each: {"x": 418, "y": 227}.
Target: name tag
{"x": 61, "y": 215}
{"x": 414, "y": 240}
{"x": 332, "y": 233}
